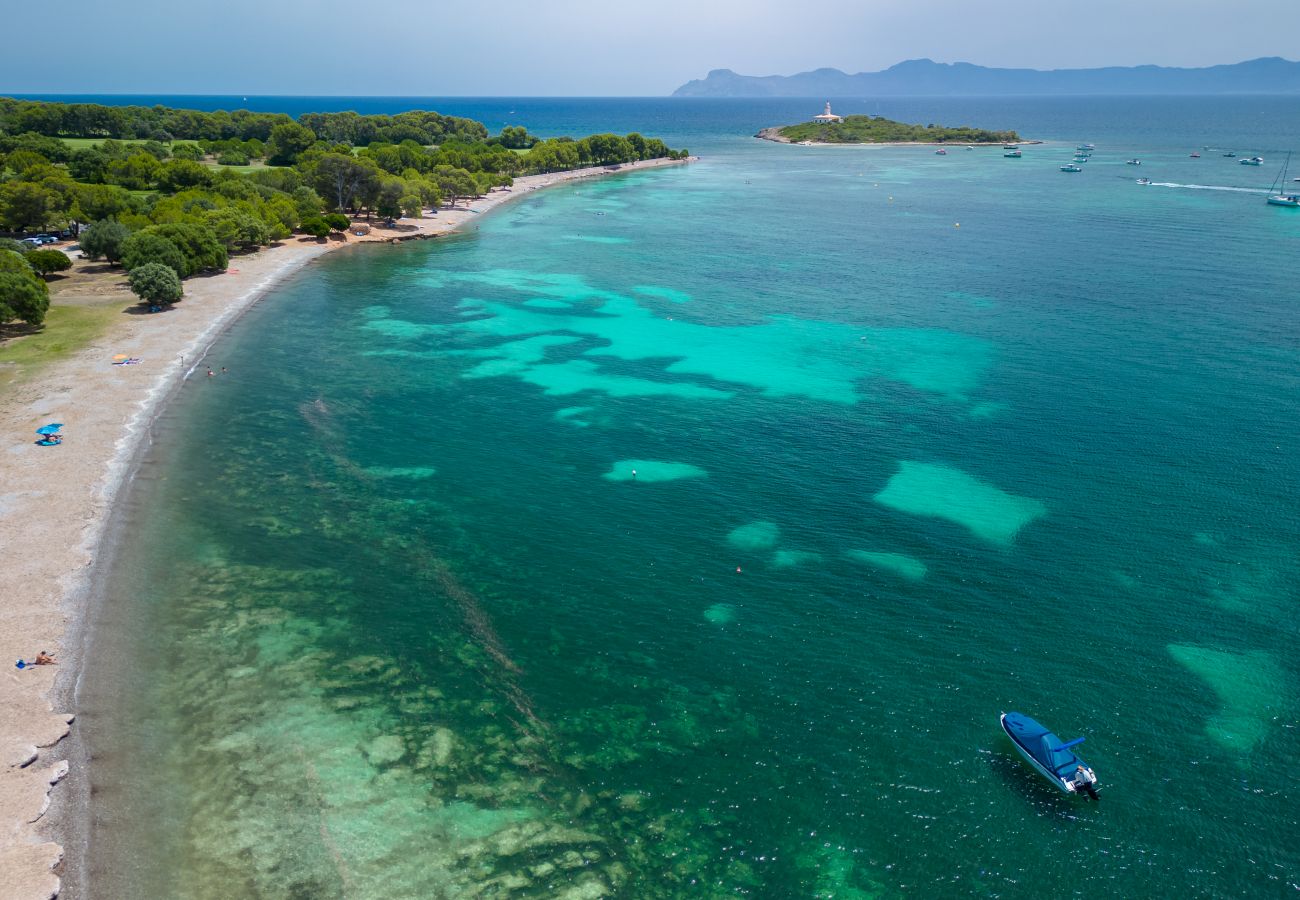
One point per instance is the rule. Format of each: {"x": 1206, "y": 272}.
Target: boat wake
{"x": 1207, "y": 187}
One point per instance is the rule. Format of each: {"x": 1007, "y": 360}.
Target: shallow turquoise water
{"x": 396, "y": 617}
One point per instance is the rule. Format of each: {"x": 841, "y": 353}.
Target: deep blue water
{"x": 917, "y": 440}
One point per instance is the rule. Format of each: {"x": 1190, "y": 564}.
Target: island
{"x": 829, "y": 128}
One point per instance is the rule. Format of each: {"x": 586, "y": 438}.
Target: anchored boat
{"x": 1013, "y": 154}
{"x": 1051, "y": 756}
{"x": 1253, "y": 161}
{"x": 1071, "y": 168}
{"x": 1277, "y": 196}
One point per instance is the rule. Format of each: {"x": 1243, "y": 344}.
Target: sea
{"x": 684, "y": 533}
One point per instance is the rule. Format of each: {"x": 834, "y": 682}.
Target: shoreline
{"x": 56, "y": 504}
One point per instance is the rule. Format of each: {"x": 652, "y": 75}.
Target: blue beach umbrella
{"x": 49, "y": 429}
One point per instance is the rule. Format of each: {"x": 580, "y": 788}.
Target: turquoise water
{"x": 683, "y": 535}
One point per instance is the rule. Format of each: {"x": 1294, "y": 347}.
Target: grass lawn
{"x": 252, "y": 167}
{"x": 67, "y": 330}
{"x": 83, "y": 143}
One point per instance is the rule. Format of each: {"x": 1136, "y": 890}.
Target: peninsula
{"x": 927, "y": 78}
{"x": 829, "y": 128}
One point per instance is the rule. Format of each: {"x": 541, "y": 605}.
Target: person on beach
{"x": 44, "y": 659}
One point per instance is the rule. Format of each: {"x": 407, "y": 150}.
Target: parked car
{"x": 32, "y": 242}
{"x": 48, "y": 238}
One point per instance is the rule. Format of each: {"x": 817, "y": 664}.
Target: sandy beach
{"x": 55, "y": 501}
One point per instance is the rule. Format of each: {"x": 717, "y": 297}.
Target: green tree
{"x": 15, "y": 246}
{"x": 146, "y": 247}
{"x": 26, "y": 204}
{"x": 16, "y": 263}
{"x": 102, "y": 201}
{"x": 346, "y": 180}
{"x": 187, "y": 151}
{"x": 104, "y": 239}
{"x": 516, "y": 137}
{"x": 316, "y": 227}
{"x": 454, "y": 183}
{"x": 135, "y": 173}
{"x": 47, "y": 262}
{"x": 89, "y": 165}
{"x": 287, "y": 142}
{"x": 389, "y": 202}
{"x": 23, "y": 295}
{"x": 236, "y": 228}
{"x": 155, "y": 283}
{"x": 197, "y": 244}
{"x": 308, "y": 202}
{"x": 337, "y": 222}
{"x": 179, "y": 174}
{"x": 23, "y": 161}
{"x": 412, "y": 206}
{"x": 281, "y": 214}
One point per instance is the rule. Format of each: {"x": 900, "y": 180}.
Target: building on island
{"x": 828, "y": 117}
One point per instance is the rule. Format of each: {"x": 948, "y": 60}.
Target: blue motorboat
{"x": 1053, "y": 758}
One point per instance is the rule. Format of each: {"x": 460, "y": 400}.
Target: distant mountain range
{"x": 924, "y": 77}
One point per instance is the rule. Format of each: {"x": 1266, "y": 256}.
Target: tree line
{"x": 171, "y": 204}
{"x": 161, "y": 123}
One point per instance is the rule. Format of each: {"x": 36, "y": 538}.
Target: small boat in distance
{"x": 1071, "y": 168}
{"x": 1013, "y": 154}
{"x": 1279, "y": 197}
{"x": 1196, "y": 156}
{"x": 941, "y": 152}
{"x": 1050, "y": 755}
{"x": 1144, "y": 181}
{"x": 1010, "y": 146}
{"x": 1230, "y": 154}
{"x": 1088, "y": 147}
{"x": 1133, "y": 162}
{"x": 1252, "y": 161}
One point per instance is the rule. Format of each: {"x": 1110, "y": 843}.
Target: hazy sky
{"x": 586, "y": 48}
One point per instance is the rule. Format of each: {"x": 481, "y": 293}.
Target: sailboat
{"x": 1281, "y": 198}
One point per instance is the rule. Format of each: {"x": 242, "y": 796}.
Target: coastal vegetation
{"x": 23, "y": 294}
{"x": 186, "y": 189}
{"x": 879, "y": 130}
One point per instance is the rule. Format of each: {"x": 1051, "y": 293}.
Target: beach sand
{"x": 54, "y": 501}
